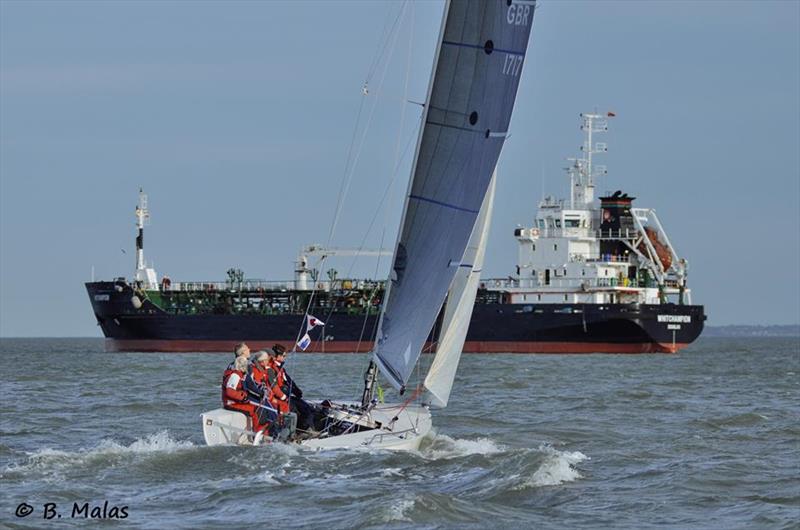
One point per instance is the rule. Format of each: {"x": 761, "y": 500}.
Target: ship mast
{"x": 581, "y": 171}
{"x": 144, "y": 276}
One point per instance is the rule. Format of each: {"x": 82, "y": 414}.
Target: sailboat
{"x": 441, "y": 243}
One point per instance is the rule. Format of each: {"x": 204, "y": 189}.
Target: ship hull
{"x": 215, "y": 346}
{"x": 494, "y": 328}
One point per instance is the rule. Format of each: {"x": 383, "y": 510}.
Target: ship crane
{"x": 302, "y": 272}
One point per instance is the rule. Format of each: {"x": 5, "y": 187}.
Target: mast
{"x": 142, "y": 214}
{"x": 373, "y": 373}
{"x": 144, "y": 276}
{"x": 581, "y": 171}
{"x": 471, "y": 96}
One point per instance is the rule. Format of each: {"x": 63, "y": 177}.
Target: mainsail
{"x": 471, "y": 96}
{"x": 457, "y": 313}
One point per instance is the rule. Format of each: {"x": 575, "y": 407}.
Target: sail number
{"x": 518, "y": 14}
{"x": 512, "y": 64}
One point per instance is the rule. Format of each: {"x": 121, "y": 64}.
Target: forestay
{"x": 471, "y": 96}
{"x": 457, "y": 313}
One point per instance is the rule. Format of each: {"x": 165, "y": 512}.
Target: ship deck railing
{"x": 268, "y": 286}
{"x": 570, "y": 283}
{"x": 602, "y": 258}
{"x": 628, "y": 234}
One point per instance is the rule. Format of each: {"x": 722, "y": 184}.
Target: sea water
{"x": 708, "y": 438}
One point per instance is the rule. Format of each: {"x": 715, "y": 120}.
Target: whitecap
{"x": 557, "y": 468}
{"x": 50, "y": 459}
{"x": 267, "y": 478}
{"x": 445, "y": 447}
{"x": 397, "y": 512}
{"x": 392, "y": 472}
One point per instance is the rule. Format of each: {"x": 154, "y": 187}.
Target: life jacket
{"x": 276, "y": 381}
{"x": 259, "y": 375}
{"x": 236, "y": 394}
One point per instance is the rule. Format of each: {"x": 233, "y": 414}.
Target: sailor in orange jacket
{"x": 256, "y": 386}
{"x": 276, "y": 379}
{"x": 234, "y": 396}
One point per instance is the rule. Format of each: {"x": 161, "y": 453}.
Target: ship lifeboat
{"x": 662, "y": 251}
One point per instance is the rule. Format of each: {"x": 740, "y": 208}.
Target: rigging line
{"x": 382, "y": 47}
{"x": 349, "y": 176}
{"x": 398, "y": 156}
{"x": 347, "y": 180}
{"x": 386, "y": 193}
{"x": 407, "y": 402}
{"x": 369, "y": 303}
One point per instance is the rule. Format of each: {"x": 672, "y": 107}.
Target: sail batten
{"x": 473, "y": 87}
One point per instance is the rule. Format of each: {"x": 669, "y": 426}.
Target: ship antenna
{"x": 582, "y": 170}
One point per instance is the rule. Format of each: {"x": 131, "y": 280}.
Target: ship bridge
{"x": 591, "y": 250}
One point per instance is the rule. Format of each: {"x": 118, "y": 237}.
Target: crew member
{"x": 276, "y": 379}
{"x": 258, "y": 391}
{"x": 288, "y": 394}
{"x": 233, "y": 395}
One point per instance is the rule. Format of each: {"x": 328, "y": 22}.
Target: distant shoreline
{"x": 740, "y": 330}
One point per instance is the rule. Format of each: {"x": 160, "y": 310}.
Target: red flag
{"x": 611, "y": 114}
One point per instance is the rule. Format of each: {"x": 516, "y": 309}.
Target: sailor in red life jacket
{"x": 288, "y": 388}
{"x": 276, "y": 379}
{"x": 234, "y": 396}
{"x": 256, "y": 386}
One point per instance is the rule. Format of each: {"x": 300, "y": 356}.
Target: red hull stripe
{"x": 187, "y": 346}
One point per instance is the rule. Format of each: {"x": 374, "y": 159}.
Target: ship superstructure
{"x": 594, "y": 251}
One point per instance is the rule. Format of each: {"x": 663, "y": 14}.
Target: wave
{"x": 396, "y": 512}
{"x": 445, "y": 447}
{"x": 49, "y": 459}
{"x": 556, "y": 468}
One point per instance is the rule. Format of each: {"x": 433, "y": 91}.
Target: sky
{"x": 238, "y": 119}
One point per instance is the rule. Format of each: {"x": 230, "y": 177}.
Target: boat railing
{"x": 380, "y": 436}
{"x": 247, "y": 285}
{"x": 564, "y": 283}
{"x": 619, "y": 233}
{"x": 268, "y": 286}
{"x": 602, "y": 258}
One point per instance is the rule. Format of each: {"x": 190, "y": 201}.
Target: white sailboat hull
{"x": 411, "y": 424}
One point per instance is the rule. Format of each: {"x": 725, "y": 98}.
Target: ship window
{"x": 565, "y": 271}
{"x": 565, "y": 297}
{"x": 541, "y": 223}
{"x": 572, "y": 223}
{"x": 533, "y": 247}
{"x": 583, "y": 272}
{"x": 533, "y": 273}
{"x": 539, "y": 297}
{"x": 558, "y": 223}
{"x": 555, "y": 246}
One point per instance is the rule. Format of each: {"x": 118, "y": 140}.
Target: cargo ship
{"x": 592, "y": 276}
